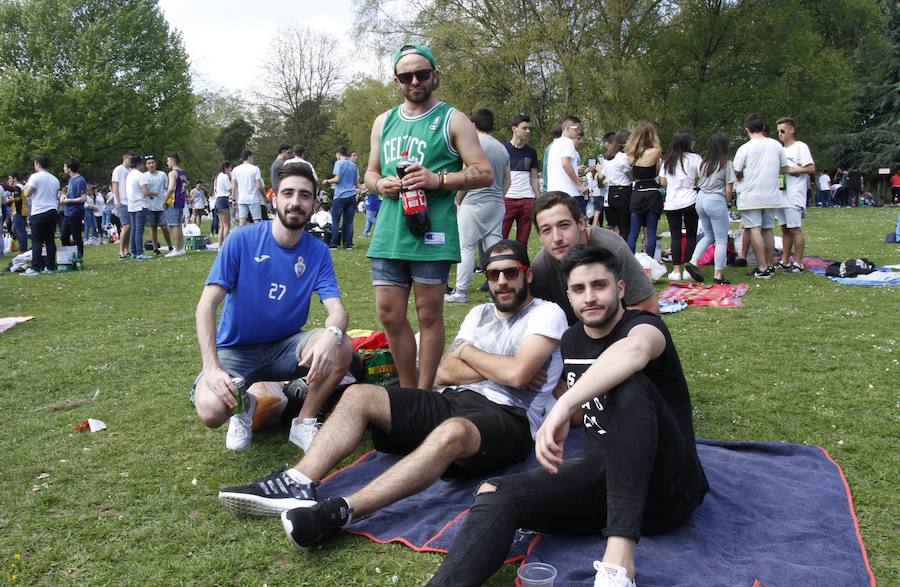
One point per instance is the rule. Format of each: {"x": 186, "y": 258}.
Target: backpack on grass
{"x": 850, "y": 268}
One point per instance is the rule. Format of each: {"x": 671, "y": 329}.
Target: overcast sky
{"x": 226, "y": 42}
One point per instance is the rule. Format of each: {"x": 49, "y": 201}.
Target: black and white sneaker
{"x": 305, "y": 526}
{"x": 762, "y": 274}
{"x": 269, "y": 496}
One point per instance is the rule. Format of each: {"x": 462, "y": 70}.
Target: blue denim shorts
{"x": 402, "y": 273}
{"x": 121, "y": 213}
{"x": 155, "y": 218}
{"x": 172, "y": 216}
{"x": 222, "y": 204}
{"x": 267, "y": 361}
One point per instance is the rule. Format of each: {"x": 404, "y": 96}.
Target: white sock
{"x": 308, "y": 421}
{"x": 298, "y": 476}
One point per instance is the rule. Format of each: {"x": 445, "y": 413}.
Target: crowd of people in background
{"x": 628, "y": 187}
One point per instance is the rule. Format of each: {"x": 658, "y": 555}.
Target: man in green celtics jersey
{"x": 448, "y": 157}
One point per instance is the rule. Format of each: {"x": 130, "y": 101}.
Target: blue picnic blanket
{"x": 776, "y": 514}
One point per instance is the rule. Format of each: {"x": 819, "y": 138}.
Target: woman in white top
{"x": 222, "y": 205}
{"x": 680, "y": 169}
{"x": 90, "y": 203}
{"x": 198, "y": 203}
{"x": 617, "y": 170}
{"x": 99, "y": 209}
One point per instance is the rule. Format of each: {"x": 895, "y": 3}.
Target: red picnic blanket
{"x": 698, "y": 294}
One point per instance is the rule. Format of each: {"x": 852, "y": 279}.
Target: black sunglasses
{"x": 421, "y": 75}
{"x": 509, "y": 273}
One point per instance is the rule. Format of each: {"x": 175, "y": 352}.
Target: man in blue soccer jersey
{"x": 266, "y": 273}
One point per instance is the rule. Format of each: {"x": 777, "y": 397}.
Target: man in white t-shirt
{"x": 823, "y": 200}
{"x": 247, "y": 188}
{"x": 299, "y": 151}
{"x": 120, "y": 203}
{"x": 800, "y": 167}
{"x": 42, "y": 188}
{"x": 137, "y": 206}
{"x": 154, "y": 185}
{"x": 563, "y": 162}
{"x": 757, "y": 165}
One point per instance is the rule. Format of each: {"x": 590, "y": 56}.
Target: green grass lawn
{"x": 804, "y": 361}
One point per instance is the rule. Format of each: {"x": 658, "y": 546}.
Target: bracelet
{"x": 336, "y": 332}
{"x": 376, "y": 184}
{"x": 443, "y": 178}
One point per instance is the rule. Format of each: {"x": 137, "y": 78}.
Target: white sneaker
{"x": 611, "y": 575}
{"x": 675, "y": 276}
{"x": 302, "y": 433}
{"x": 457, "y": 297}
{"x": 240, "y": 426}
{"x": 180, "y": 252}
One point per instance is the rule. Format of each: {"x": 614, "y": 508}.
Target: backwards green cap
{"x": 414, "y": 49}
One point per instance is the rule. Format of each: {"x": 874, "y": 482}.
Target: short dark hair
{"x": 283, "y": 147}
{"x": 295, "y": 169}
{"x": 588, "y": 255}
{"x": 755, "y": 122}
{"x": 299, "y": 150}
{"x": 127, "y": 153}
{"x": 13, "y": 174}
{"x": 174, "y": 157}
{"x": 42, "y": 160}
{"x": 483, "y": 119}
{"x": 224, "y": 165}
{"x": 73, "y": 164}
{"x": 245, "y": 154}
{"x": 326, "y": 206}
{"x": 136, "y": 160}
{"x": 551, "y": 199}
{"x": 342, "y": 150}
{"x": 568, "y": 120}
{"x": 518, "y": 119}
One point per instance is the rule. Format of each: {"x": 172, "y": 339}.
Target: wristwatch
{"x": 337, "y": 332}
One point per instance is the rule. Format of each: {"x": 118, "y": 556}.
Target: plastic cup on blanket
{"x": 536, "y": 575}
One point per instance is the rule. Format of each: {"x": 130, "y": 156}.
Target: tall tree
{"x": 234, "y": 138}
{"x": 301, "y": 81}
{"x": 89, "y": 78}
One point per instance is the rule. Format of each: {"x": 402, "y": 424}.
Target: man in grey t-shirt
{"x": 480, "y": 212}
{"x": 561, "y": 226}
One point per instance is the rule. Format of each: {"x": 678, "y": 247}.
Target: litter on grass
{"x": 9, "y": 322}
{"x": 91, "y": 424}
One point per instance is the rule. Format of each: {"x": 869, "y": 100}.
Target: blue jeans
{"x": 648, "y": 219}
{"x": 21, "y": 233}
{"x": 138, "y": 221}
{"x": 107, "y": 218}
{"x": 346, "y": 208}
{"x": 90, "y": 225}
{"x": 371, "y": 215}
{"x": 713, "y": 212}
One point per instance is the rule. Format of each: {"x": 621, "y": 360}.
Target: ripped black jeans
{"x": 643, "y": 476}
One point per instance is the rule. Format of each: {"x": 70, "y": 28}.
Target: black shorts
{"x": 505, "y": 432}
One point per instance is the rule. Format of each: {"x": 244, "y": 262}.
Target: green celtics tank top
{"x": 427, "y": 140}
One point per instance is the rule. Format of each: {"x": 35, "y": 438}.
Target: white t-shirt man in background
{"x": 800, "y": 167}
{"x": 757, "y": 165}
{"x": 119, "y": 202}
{"x": 563, "y": 162}
{"x": 137, "y": 206}
{"x": 43, "y": 189}
{"x": 247, "y": 189}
